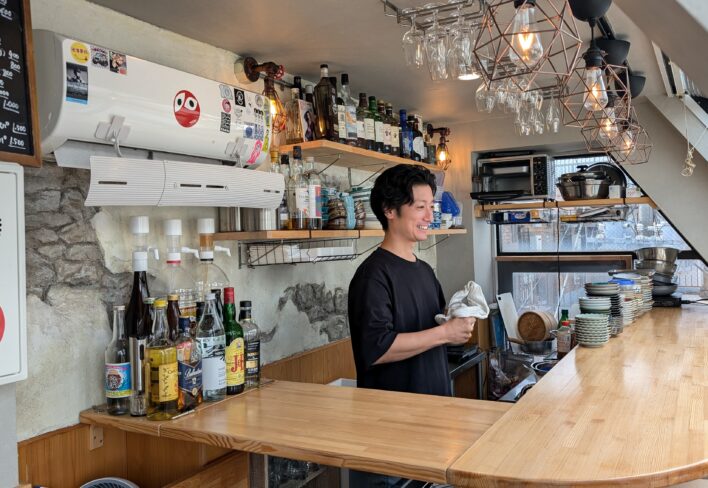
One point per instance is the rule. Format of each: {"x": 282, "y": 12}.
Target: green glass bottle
{"x": 235, "y": 346}
{"x": 378, "y": 125}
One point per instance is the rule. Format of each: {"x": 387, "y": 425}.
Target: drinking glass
{"x": 460, "y": 59}
{"x": 484, "y": 99}
{"x": 436, "y": 49}
{"x": 553, "y": 115}
{"x": 414, "y": 45}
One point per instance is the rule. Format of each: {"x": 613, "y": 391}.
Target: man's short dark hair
{"x": 394, "y": 188}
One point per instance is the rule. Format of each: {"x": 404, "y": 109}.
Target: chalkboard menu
{"x": 19, "y": 133}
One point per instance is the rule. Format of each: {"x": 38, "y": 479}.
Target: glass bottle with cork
{"x": 189, "y": 368}
{"x": 252, "y": 336}
{"x": 235, "y": 347}
{"x": 162, "y": 356}
{"x": 117, "y": 367}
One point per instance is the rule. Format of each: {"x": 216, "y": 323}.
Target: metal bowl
{"x": 542, "y": 367}
{"x": 643, "y": 272}
{"x": 663, "y": 290}
{"x": 584, "y": 190}
{"x": 663, "y": 279}
{"x": 663, "y": 267}
{"x": 668, "y": 254}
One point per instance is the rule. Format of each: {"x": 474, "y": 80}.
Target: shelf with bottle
{"x": 267, "y": 235}
{"x": 604, "y": 202}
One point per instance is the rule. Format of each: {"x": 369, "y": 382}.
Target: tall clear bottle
{"x": 162, "y": 356}
{"x": 212, "y": 343}
{"x": 235, "y": 347}
{"x": 252, "y": 334}
{"x": 362, "y": 113}
{"x": 189, "y": 368}
{"x": 298, "y": 201}
{"x": 325, "y": 106}
{"x": 395, "y": 131}
{"x": 314, "y": 195}
{"x": 209, "y": 275}
{"x": 137, "y": 324}
{"x": 417, "y": 142}
{"x": 117, "y": 370}
{"x": 378, "y": 125}
{"x": 349, "y": 134}
{"x": 381, "y": 107}
{"x": 283, "y": 212}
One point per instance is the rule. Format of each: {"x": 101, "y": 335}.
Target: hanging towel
{"x": 468, "y": 302}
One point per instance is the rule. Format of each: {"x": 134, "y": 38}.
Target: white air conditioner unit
{"x": 92, "y": 98}
{"x": 125, "y": 181}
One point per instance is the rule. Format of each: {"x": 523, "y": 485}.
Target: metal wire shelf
{"x": 267, "y": 253}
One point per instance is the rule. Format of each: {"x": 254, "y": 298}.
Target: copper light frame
{"x": 642, "y": 145}
{"x": 595, "y": 140}
{"x": 572, "y": 96}
{"x": 560, "y": 39}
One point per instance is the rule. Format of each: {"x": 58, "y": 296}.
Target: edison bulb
{"x": 596, "y": 92}
{"x": 627, "y": 142}
{"x": 527, "y": 49}
{"x": 608, "y": 125}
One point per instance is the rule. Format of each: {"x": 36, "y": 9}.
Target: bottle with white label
{"x": 381, "y": 107}
{"x": 118, "y": 379}
{"x": 212, "y": 343}
{"x": 298, "y": 201}
{"x": 314, "y": 195}
{"x": 378, "y": 126}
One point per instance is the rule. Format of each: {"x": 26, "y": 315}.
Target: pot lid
{"x": 583, "y": 174}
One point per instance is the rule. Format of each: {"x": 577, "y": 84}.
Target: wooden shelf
{"x": 267, "y": 235}
{"x": 329, "y": 152}
{"x": 604, "y": 202}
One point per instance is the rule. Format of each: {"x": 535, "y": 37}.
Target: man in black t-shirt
{"x": 394, "y": 296}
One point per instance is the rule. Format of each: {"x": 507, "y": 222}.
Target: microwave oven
{"x": 516, "y": 177}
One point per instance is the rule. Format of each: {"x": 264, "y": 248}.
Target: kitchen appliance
{"x": 668, "y": 301}
{"x": 520, "y": 177}
{"x": 584, "y": 184}
{"x": 13, "y": 314}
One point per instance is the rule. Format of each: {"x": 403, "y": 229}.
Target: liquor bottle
{"x": 381, "y": 107}
{"x": 325, "y": 106}
{"x": 173, "y": 314}
{"x": 405, "y": 135}
{"x": 293, "y": 128}
{"x": 219, "y": 304}
{"x": 212, "y": 341}
{"x": 350, "y": 132}
{"x": 252, "y": 336}
{"x": 378, "y": 125}
{"x": 362, "y": 112}
{"x": 314, "y": 195}
{"x": 235, "y": 347}
{"x": 117, "y": 370}
{"x": 162, "y": 356}
{"x": 395, "y": 134}
{"x": 309, "y": 96}
{"x": 189, "y": 368}
{"x": 297, "y": 83}
{"x": 283, "y": 212}
{"x": 137, "y": 325}
{"x": 417, "y": 143}
{"x": 298, "y": 193}
{"x": 337, "y": 103}
{"x": 563, "y": 317}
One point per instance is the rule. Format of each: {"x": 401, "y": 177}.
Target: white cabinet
{"x": 13, "y": 315}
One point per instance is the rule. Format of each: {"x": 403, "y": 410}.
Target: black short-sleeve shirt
{"x": 389, "y": 295}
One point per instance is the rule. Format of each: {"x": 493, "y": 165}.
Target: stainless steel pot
{"x": 539, "y": 348}
{"x": 229, "y": 219}
{"x": 255, "y": 219}
{"x": 668, "y": 254}
{"x": 584, "y": 190}
{"x": 663, "y": 290}
{"x": 663, "y": 267}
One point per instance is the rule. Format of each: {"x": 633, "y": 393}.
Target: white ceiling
{"x": 351, "y": 36}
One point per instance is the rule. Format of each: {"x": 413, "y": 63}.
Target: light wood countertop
{"x": 414, "y": 436}
{"x": 632, "y": 413}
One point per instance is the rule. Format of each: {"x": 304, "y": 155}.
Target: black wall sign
{"x": 19, "y": 138}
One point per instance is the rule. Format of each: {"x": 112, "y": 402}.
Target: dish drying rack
{"x": 267, "y": 253}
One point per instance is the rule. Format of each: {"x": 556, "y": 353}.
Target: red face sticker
{"x": 2, "y": 324}
{"x": 186, "y": 108}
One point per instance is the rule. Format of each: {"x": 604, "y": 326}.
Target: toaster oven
{"x": 519, "y": 177}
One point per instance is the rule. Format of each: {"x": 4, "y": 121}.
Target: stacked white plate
{"x": 592, "y": 330}
{"x": 647, "y": 299}
{"x": 629, "y": 311}
{"x": 602, "y": 289}
{"x": 599, "y": 305}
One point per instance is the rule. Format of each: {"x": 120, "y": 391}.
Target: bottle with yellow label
{"x": 162, "y": 357}
{"x": 235, "y": 346}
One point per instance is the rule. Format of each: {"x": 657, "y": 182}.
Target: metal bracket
{"x": 372, "y": 175}
{"x": 436, "y": 243}
{"x": 339, "y": 156}
{"x": 115, "y": 132}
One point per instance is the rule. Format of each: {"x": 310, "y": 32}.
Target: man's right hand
{"x": 459, "y": 329}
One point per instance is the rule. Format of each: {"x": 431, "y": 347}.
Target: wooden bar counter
{"x": 631, "y": 413}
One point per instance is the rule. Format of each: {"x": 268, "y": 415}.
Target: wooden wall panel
{"x": 321, "y": 365}
{"x": 62, "y": 459}
{"x": 230, "y": 471}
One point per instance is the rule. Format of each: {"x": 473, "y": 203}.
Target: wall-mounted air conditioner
{"x": 92, "y": 98}
{"x": 125, "y": 181}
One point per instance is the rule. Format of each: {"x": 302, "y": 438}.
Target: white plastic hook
{"x": 223, "y": 249}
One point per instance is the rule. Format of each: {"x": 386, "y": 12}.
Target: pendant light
{"x": 442, "y": 154}
{"x": 632, "y": 145}
{"x": 530, "y": 43}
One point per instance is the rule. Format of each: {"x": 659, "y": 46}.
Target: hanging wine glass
{"x": 414, "y": 45}
{"x": 436, "y": 49}
{"x": 461, "y": 62}
{"x": 484, "y": 99}
{"x": 553, "y": 115}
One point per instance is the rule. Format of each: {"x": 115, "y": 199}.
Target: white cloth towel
{"x": 469, "y": 302}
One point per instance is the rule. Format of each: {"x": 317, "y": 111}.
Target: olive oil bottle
{"x": 162, "y": 356}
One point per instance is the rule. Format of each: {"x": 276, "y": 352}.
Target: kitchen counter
{"x": 634, "y": 412}
{"x": 631, "y": 413}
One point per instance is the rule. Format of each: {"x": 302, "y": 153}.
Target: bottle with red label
{"x": 235, "y": 346}
{"x": 563, "y": 336}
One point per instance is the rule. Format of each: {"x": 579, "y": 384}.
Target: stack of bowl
{"x": 362, "y": 194}
{"x": 608, "y": 290}
{"x": 592, "y": 330}
{"x": 644, "y": 278}
{"x": 663, "y": 261}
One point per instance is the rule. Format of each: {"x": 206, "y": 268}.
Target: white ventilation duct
{"x": 91, "y": 96}
{"x": 126, "y": 181}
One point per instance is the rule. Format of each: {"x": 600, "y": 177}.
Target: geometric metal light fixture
{"x": 603, "y": 128}
{"x": 533, "y": 43}
{"x": 632, "y": 145}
